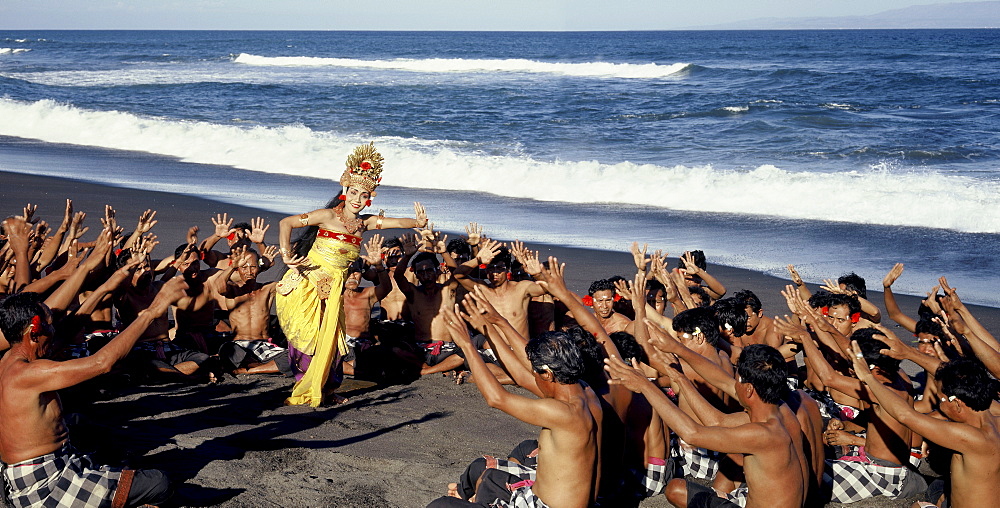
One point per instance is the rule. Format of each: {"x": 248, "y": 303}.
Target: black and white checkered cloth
{"x": 64, "y": 479}
{"x": 654, "y": 478}
{"x": 695, "y": 462}
{"x": 521, "y": 495}
{"x": 262, "y": 350}
{"x": 854, "y": 480}
{"x": 738, "y": 496}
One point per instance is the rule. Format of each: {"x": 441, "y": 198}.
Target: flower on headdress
{"x": 366, "y": 165}
{"x": 588, "y": 301}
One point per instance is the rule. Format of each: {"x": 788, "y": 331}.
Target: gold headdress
{"x": 364, "y": 169}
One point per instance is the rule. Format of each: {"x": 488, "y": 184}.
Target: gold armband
{"x": 378, "y": 222}
{"x": 304, "y": 219}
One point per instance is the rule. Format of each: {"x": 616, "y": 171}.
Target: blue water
{"x": 833, "y": 150}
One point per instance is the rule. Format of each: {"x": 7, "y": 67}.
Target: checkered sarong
{"x": 829, "y": 408}
{"x": 696, "y": 462}
{"x": 262, "y": 350}
{"x": 852, "y": 479}
{"x": 654, "y": 478}
{"x": 521, "y": 495}
{"x": 63, "y": 479}
{"x": 738, "y": 496}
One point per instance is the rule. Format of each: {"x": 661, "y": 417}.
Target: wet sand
{"x": 234, "y": 444}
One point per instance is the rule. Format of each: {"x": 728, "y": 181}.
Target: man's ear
{"x": 749, "y": 391}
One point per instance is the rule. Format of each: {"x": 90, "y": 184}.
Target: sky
{"x": 418, "y": 14}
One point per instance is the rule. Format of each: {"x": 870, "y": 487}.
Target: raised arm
{"x": 957, "y": 436}
{"x": 712, "y": 285}
{"x": 891, "y": 307}
{"x": 542, "y": 412}
{"x": 507, "y": 343}
{"x": 46, "y": 375}
{"x": 959, "y": 308}
{"x": 17, "y": 230}
{"x": 711, "y": 372}
{"x": 381, "y": 222}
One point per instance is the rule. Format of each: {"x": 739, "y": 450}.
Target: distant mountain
{"x": 956, "y": 15}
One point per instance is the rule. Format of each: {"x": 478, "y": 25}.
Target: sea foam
{"x": 512, "y": 65}
{"x": 880, "y": 195}
{"x": 13, "y": 51}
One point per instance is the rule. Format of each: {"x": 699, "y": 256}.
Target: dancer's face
{"x": 356, "y": 199}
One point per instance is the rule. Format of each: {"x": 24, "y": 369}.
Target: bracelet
{"x": 304, "y": 219}
{"x": 283, "y": 251}
{"x": 378, "y": 222}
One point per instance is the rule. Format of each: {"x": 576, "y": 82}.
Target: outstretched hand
{"x": 639, "y": 256}
{"x": 629, "y": 376}
{"x": 257, "y": 230}
{"x": 473, "y": 233}
{"x": 374, "y": 250}
{"x": 420, "y": 214}
{"x": 893, "y": 275}
{"x": 796, "y": 278}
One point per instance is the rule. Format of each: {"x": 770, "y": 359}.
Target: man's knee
{"x": 149, "y": 486}
{"x": 677, "y": 492}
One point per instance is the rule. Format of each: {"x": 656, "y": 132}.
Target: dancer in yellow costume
{"x": 308, "y": 299}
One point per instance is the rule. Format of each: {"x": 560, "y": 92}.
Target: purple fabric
{"x": 299, "y": 362}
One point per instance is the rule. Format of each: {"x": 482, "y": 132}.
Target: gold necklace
{"x": 351, "y": 225}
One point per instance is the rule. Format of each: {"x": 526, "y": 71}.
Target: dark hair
{"x": 655, "y": 285}
{"x": 706, "y": 299}
{"x": 968, "y": 380}
{"x": 303, "y": 243}
{"x": 749, "y": 299}
{"x": 556, "y": 352}
{"x": 854, "y": 282}
{"x": 393, "y": 243}
{"x": 628, "y": 347}
{"x": 593, "y": 356}
{"x": 460, "y": 247}
{"x": 424, "y": 256}
{"x": 871, "y": 347}
{"x": 358, "y": 265}
{"x": 764, "y": 368}
{"x": 699, "y": 259}
{"x": 503, "y": 256}
{"x": 123, "y": 258}
{"x": 601, "y": 285}
{"x": 701, "y": 318}
{"x": 732, "y": 311}
{"x": 16, "y": 312}
{"x": 242, "y": 225}
{"x": 823, "y": 298}
{"x": 931, "y": 327}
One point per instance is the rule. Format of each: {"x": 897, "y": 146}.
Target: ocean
{"x": 835, "y": 151}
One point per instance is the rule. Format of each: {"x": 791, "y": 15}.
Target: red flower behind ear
{"x": 618, "y": 297}
{"x": 36, "y": 324}
{"x": 482, "y": 266}
{"x": 509, "y": 276}
{"x": 825, "y": 310}
{"x": 855, "y": 317}
{"x": 342, "y": 197}
{"x": 588, "y": 301}
{"x": 368, "y": 203}
{"x": 118, "y": 252}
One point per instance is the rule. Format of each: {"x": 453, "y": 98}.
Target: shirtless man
{"x": 425, "y": 301}
{"x": 249, "y": 304}
{"x": 358, "y": 301}
{"x": 394, "y": 304}
{"x": 971, "y": 430}
{"x": 40, "y": 467}
{"x": 773, "y": 462}
{"x": 568, "y": 414}
{"x": 154, "y": 346}
{"x": 195, "y": 313}
{"x": 602, "y": 298}
{"x": 881, "y": 469}
{"x": 511, "y": 298}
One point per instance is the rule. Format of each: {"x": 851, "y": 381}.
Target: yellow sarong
{"x": 311, "y": 311}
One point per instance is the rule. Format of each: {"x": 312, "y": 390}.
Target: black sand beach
{"x": 234, "y": 444}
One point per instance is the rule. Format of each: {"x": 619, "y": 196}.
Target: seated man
{"x": 249, "y": 304}
{"x": 154, "y": 348}
{"x": 40, "y": 466}
{"x": 568, "y": 413}
{"x": 971, "y": 430}
{"x": 358, "y": 302}
{"x": 773, "y": 459}
{"x": 602, "y": 297}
